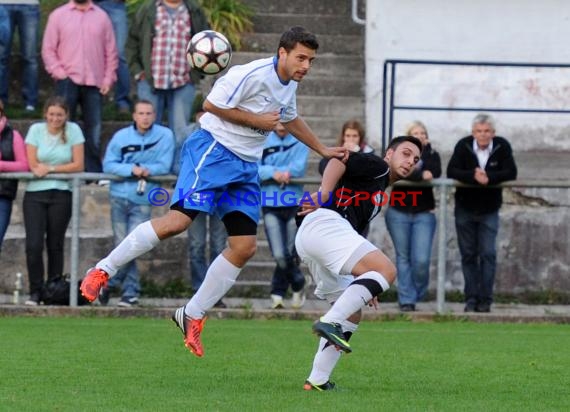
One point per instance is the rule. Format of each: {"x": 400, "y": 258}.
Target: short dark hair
{"x": 397, "y": 141}
{"x": 297, "y": 34}
{"x": 142, "y": 101}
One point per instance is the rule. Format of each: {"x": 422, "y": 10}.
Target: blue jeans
{"x": 178, "y": 102}
{"x": 90, "y": 100}
{"x": 280, "y": 229}
{"x": 117, "y": 12}
{"x": 412, "y": 235}
{"x": 125, "y": 216}
{"x": 198, "y": 234}
{"x": 477, "y": 238}
{"x": 5, "y": 213}
{"x": 27, "y": 19}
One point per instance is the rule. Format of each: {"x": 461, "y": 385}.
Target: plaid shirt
{"x": 170, "y": 68}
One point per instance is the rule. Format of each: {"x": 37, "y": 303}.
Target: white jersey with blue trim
{"x": 255, "y": 88}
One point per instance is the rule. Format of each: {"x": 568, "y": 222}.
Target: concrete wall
{"x": 469, "y": 30}
{"x": 533, "y": 252}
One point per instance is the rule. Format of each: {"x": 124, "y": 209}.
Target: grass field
{"x": 101, "y": 364}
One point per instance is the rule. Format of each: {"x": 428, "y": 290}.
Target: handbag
{"x": 57, "y": 289}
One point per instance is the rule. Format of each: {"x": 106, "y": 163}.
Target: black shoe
{"x": 470, "y": 307}
{"x": 327, "y": 386}
{"x": 220, "y": 304}
{"x": 483, "y": 307}
{"x": 104, "y": 296}
{"x": 408, "y": 307}
{"x": 333, "y": 333}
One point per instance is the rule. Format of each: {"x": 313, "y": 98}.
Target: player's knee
{"x": 171, "y": 224}
{"x": 389, "y": 272}
{"x": 243, "y": 248}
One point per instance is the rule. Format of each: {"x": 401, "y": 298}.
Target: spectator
{"x": 117, "y": 11}
{"x": 53, "y": 146}
{"x": 411, "y": 224}
{"x": 284, "y": 157}
{"x": 79, "y": 52}
{"x": 353, "y": 137}
{"x": 481, "y": 159}
{"x": 136, "y": 152}
{"x": 12, "y": 159}
{"x": 165, "y": 78}
{"x": 4, "y": 28}
{"x": 25, "y": 17}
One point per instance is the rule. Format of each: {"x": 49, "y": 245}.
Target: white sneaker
{"x": 277, "y": 302}
{"x": 298, "y": 300}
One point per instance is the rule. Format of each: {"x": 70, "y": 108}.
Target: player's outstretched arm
{"x": 265, "y": 121}
{"x": 303, "y": 132}
{"x": 331, "y": 175}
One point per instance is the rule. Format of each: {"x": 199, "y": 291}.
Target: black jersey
{"x": 360, "y": 192}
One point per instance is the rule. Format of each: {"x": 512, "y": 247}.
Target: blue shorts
{"x": 214, "y": 180}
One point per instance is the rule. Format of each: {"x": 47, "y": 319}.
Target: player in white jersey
{"x": 219, "y": 174}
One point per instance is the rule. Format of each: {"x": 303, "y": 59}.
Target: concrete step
{"x": 325, "y": 66}
{"x": 319, "y": 7}
{"x": 333, "y": 87}
{"x": 339, "y": 44}
{"x": 344, "y": 107}
{"x": 267, "y": 22}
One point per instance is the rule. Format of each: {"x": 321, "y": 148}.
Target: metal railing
{"x": 389, "y": 91}
{"x": 355, "y": 17}
{"x": 442, "y": 185}
{"x": 77, "y": 180}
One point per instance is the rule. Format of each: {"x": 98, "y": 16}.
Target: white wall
{"x": 472, "y": 30}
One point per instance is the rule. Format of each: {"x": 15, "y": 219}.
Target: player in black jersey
{"x": 350, "y": 272}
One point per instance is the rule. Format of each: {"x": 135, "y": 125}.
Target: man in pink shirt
{"x": 79, "y": 52}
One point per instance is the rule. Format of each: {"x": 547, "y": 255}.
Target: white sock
{"x": 355, "y": 297}
{"x": 220, "y": 278}
{"x": 142, "y": 239}
{"x": 327, "y": 357}
{"x": 324, "y": 362}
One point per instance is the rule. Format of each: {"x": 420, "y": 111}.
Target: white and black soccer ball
{"x": 209, "y": 52}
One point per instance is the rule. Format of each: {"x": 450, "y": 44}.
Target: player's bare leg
{"x": 141, "y": 240}
{"x": 219, "y": 279}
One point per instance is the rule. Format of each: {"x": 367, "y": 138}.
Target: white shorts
{"x": 330, "y": 247}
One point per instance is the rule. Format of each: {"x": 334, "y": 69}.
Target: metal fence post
{"x": 75, "y": 221}
{"x": 441, "y": 245}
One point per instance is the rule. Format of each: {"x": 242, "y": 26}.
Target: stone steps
{"x": 324, "y": 66}
{"x": 266, "y": 22}
{"x": 315, "y": 7}
{"x": 339, "y": 44}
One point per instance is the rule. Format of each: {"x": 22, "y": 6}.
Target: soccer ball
{"x": 209, "y": 52}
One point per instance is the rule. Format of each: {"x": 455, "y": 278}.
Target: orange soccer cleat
{"x": 94, "y": 280}
{"x": 191, "y": 329}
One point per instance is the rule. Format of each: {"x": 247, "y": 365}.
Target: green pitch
{"x": 95, "y": 364}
